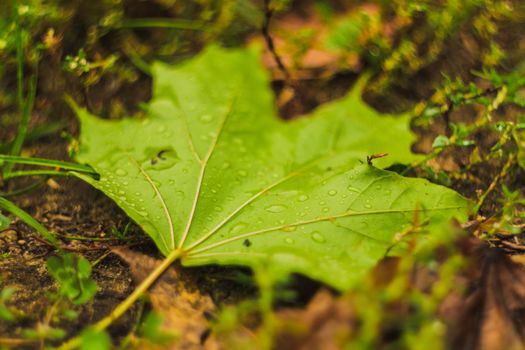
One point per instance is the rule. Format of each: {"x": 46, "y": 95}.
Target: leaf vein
{"x": 308, "y": 222}
{"x": 203, "y": 165}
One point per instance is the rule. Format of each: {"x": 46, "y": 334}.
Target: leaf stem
{"x": 130, "y": 300}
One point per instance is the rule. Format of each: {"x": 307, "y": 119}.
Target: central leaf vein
{"x": 203, "y": 165}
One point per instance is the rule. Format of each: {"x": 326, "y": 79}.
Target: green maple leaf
{"x": 214, "y": 173}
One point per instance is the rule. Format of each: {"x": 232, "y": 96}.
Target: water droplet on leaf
{"x": 302, "y": 198}
{"x": 238, "y": 228}
{"x": 276, "y": 208}
{"x": 353, "y": 189}
{"x": 317, "y": 237}
{"x": 206, "y": 118}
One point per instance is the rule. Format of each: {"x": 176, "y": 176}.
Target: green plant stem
{"x": 130, "y": 300}
{"x": 100, "y": 258}
{"x": 87, "y": 239}
{"x": 16, "y": 147}
{"x": 19, "y": 57}
{"x": 23, "y": 173}
{"x": 49, "y": 163}
{"x": 494, "y": 182}
{"x": 24, "y": 107}
{"x": 169, "y": 23}
{"x": 29, "y": 220}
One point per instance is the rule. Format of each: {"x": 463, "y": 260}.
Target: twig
{"x": 268, "y": 13}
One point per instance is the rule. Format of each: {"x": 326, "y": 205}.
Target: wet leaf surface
{"x": 213, "y": 172}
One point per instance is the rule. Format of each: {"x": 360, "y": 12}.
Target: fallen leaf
{"x": 177, "y": 298}
{"x": 214, "y": 174}
{"x": 492, "y": 314}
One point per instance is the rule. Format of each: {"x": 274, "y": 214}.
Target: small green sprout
{"x": 121, "y": 235}
{"x": 73, "y": 273}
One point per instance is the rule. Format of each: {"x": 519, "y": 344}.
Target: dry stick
{"x": 129, "y": 301}
{"x": 268, "y": 13}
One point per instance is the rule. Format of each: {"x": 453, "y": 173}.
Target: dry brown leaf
{"x": 492, "y": 316}
{"x": 175, "y": 296}
{"x": 325, "y": 321}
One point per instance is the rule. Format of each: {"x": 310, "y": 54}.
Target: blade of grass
{"x": 23, "y": 126}
{"x": 19, "y": 75}
{"x": 29, "y": 220}
{"x": 19, "y": 58}
{"x": 35, "y": 134}
{"x": 23, "y": 190}
{"x": 24, "y": 106}
{"x": 49, "y": 163}
{"x": 4, "y": 222}
{"x": 23, "y": 173}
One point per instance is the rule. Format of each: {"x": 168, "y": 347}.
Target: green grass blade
{"x": 34, "y": 134}
{"x": 24, "y": 190}
{"x": 23, "y": 173}
{"x": 19, "y": 58}
{"x": 24, "y": 122}
{"x": 49, "y": 163}
{"x": 29, "y": 220}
